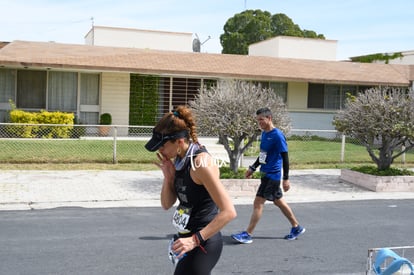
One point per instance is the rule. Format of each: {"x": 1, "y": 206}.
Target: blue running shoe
{"x": 242, "y": 237}
{"x": 295, "y": 232}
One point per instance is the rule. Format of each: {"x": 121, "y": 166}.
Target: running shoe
{"x": 295, "y": 232}
{"x": 242, "y": 237}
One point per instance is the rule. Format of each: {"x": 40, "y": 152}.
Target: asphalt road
{"x": 134, "y": 240}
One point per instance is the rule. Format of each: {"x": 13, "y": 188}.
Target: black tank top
{"x": 194, "y": 196}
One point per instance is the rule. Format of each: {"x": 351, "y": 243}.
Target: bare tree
{"x": 382, "y": 119}
{"x": 228, "y": 111}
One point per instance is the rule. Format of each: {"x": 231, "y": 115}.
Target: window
{"x": 89, "y": 98}
{"x": 31, "y": 89}
{"x": 62, "y": 91}
{"x": 153, "y": 96}
{"x": 89, "y": 89}
{"x": 7, "y": 85}
{"x": 280, "y": 88}
{"x": 315, "y": 95}
{"x": 329, "y": 96}
{"x": 89, "y": 118}
{"x": 332, "y": 97}
{"x": 34, "y": 90}
{"x": 347, "y": 90}
{"x": 260, "y": 84}
{"x": 208, "y": 83}
{"x": 183, "y": 90}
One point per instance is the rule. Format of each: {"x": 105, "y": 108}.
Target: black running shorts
{"x": 269, "y": 189}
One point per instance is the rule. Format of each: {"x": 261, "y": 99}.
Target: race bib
{"x": 181, "y": 218}
{"x": 262, "y": 157}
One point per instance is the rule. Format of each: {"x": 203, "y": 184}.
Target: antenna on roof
{"x": 92, "y": 21}
{"x": 196, "y": 44}
{"x": 208, "y": 38}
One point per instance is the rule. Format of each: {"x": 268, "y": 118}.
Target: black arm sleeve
{"x": 285, "y": 158}
{"x": 254, "y": 165}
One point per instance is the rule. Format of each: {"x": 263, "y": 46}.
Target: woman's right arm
{"x": 168, "y": 195}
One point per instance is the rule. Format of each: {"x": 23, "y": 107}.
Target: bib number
{"x": 181, "y": 218}
{"x": 262, "y": 157}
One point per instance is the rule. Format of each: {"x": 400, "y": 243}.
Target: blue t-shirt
{"x": 273, "y": 143}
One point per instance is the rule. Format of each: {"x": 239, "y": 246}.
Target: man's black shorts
{"x": 269, "y": 189}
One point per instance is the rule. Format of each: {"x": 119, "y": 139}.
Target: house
{"x": 137, "y": 85}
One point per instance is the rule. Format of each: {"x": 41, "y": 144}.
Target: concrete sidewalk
{"x": 24, "y": 190}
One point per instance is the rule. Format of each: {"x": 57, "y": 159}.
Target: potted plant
{"x": 105, "y": 119}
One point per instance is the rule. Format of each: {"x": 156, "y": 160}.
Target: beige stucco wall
{"x": 297, "y": 95}
{"x": 295, "y": 47}
{"x": 115, "y": 97}
{"x": 142, "y": 39}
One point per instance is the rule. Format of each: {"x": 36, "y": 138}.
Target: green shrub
{"x": 372, "y": 170}
{"x": 41, "y": 131}
{"x": 105, "y": 119}
{"x": 227, "y": 173}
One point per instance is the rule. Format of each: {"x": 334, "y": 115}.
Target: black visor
{"x": 158, "y": 139}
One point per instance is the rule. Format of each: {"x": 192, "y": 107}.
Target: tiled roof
{"x": 145, "y": 61}
{"x": 411, "y": 70}
{"x": 2, "y": 44}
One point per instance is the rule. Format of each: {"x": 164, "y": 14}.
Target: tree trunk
{"x": 236, "y": 154}
{"x": 238, "y": 149}
{"x": 233, "y": 153}
{"x": 385, "y": 159}
{"x": 234, "y": 162}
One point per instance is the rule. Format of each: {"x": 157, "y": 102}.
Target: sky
{"x": 359, "y": 26}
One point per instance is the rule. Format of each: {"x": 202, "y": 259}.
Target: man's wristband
{"x": 285, "y": 178}
{"x": 251, "y": 167}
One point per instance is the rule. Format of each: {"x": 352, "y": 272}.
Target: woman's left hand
{"x": 183, "y": 245}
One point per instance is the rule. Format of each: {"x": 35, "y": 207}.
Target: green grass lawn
{"x": 131, "y": 154}
{"x": 73, "y": 151}
{"x": 327, "y": 154}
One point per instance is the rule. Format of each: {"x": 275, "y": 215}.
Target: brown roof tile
{"x": 3, "y": 43}
{"x": 86, "y": 57}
